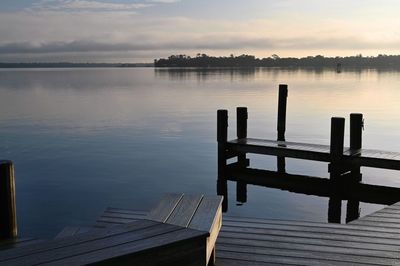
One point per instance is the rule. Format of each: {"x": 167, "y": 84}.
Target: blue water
{"x": 86, "y": 139}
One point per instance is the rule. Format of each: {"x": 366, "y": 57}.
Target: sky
{"x": 142, "y": 30}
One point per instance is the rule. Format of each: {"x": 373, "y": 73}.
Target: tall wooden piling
{"x": 336, "y": 168}
{"x": 337, "y": 138}
{"x": 282, "y": 103}
{"x": 281, "y": 125}
{"x": 8, "y": 215}
{"x": 241, "y": 132}
{"x": 356, "y": 127}
{"x": 222, "y": 138}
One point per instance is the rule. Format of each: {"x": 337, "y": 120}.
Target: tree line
{"x": 244, "y": 60}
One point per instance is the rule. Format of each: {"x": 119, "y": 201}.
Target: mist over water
{"x": 86, "y": 139}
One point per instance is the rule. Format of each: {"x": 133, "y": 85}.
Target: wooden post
{"x": 241, "y": 132}
{"x": 241, "y": 125}
{"x": 356, "y": 127}
{"x": 337, "y": 138}
{"x": 334, "y": 210}
{"x": 353, "y": 210}
{"x": 222, "y": 138}
{"x": 336, "y": 152}
{"x": 8, "y": 215}
{"x": 282, "y": 102}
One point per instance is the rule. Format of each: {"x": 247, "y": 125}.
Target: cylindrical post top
{"x": 222, "y": 125}
{"x": 282, "y": 102}
{"x": 337, "y": 137}
{"x": 356, "y": 127}
{"x": 241, "y": 122}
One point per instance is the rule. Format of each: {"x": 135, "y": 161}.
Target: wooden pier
{"x": 372, "y": 240}
{"x": 344, "y": 163}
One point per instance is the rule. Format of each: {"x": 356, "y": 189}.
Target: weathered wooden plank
{"x": 312, "y": 224}
{"x": 127, "y": 211}
{"x": 309, "y": 247}
{"x": 277, "y": 259}
{"x": 18, "y": 242}
{"x": 204, "y": 217}
{"x": 306, "y": 254}
{"x": 116, "y": 220}
{"x": 309, "y": 234}
{"x": 314, "y": 229}
{"x": 165, "y": 207}
{"x": 72, "y": 230}
{"x": 43, "y": 256}
{"x": 237, "y": 262}
{"x": 183, "y": 247}
{"x": 208, "y": 218}
{"x": 81, "y": 238}
{"x": 125, "y": 215}
{"x": 308, "y": 240}
{"x": 184, "y": 211}
{"x": 362, "y": 157}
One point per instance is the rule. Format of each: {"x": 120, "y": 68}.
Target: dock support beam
{"x": 222, "y": 138}
{"x": 243, "y": 162}
{"x": 8, "y": 215}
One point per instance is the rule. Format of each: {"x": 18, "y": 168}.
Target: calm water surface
{"x": 85, "y": 139}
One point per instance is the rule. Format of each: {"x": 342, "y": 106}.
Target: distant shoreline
{"x": 74, "y": 65}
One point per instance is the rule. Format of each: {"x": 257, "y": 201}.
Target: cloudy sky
{"x": 141, "y": 30}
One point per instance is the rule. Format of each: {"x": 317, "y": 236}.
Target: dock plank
{"x": 317, "y": 152}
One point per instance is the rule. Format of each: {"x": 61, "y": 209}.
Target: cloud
{"x": 85, "y": 5}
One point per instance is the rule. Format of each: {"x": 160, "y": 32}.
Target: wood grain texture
{"x": 164, "y": 208}
{"x": 125, "y": 241}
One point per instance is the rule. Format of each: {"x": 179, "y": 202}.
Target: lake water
{"x": 86, "y": 139}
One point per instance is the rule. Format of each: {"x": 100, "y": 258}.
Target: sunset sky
{"x": 141, "y": 30}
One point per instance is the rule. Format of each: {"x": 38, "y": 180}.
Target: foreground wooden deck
{"x": 371, "y": 240}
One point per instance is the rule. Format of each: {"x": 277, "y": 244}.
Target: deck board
{"x": 317, "y": 152}
{"x": 257, "y": 241}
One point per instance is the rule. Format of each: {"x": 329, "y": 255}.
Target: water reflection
{"x": 347, "y": 190}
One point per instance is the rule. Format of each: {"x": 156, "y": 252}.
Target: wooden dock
{"x": 371, "y": 240}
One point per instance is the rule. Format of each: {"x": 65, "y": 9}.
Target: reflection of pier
{"x": 344, "y": 163}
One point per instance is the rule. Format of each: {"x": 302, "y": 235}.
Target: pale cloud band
{"x": 75, "y": 28}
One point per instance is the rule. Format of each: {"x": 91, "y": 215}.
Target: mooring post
{"x": 8, "y": 215}
{"x": 222, "y": 138}
{"x": 336, "y": 152}
{"x": 241, "y": 132}
{"x": 356, "y": 127}
{"x": 337, "y": 139}
{"x": 282, "y": 103}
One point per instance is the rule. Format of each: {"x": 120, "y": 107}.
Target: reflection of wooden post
{"x": 335, "y": 168}
{"x": 222, "y": 138}
{"x": 8, "y": 215}
{"x": 353, "y": 210}
{"x": 334, "y": 210}
{"x": 282, "y": 103}
{"x": 241, "y": 132}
